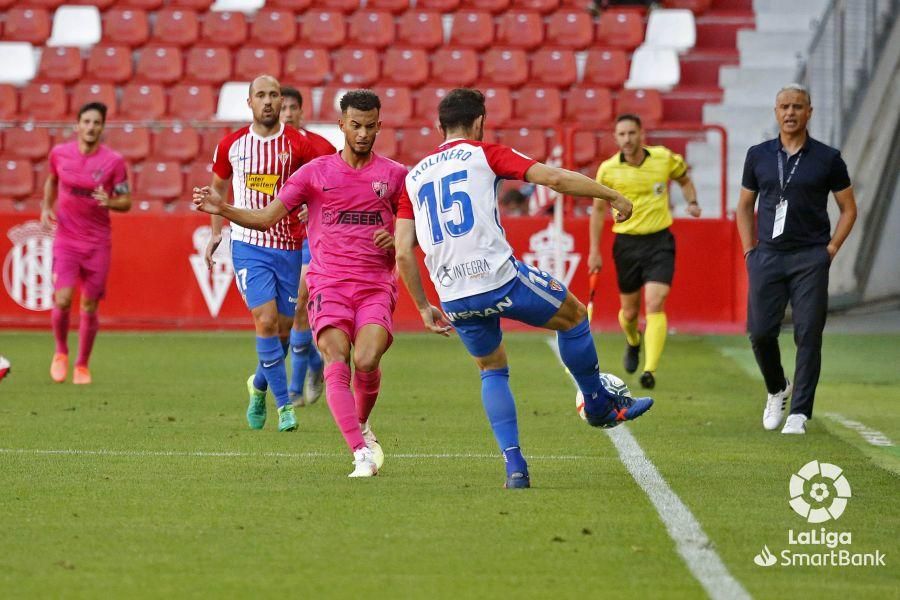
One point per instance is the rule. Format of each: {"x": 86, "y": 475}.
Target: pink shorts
{"x": 349, "y": 306}
{"x": 90, "y": 266}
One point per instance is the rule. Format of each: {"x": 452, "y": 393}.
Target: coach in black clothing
{"x": 789, "y": 254}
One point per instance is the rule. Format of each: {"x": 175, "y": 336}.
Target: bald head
{"x": 262, "y": 79}
{"x": 265, "y": 100}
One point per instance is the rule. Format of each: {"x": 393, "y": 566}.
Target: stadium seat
{"x": 538, "y": 107}
{"x": 520, "y": 30}
{"x": 45, "y": 101}
{"x": 126, "y": 26}
{"x": 9, "y": 102}
{"x": 274, "y": 28}
{"x": 191, "y": 102}
{"x": 343, "y": 6}
{"x": 371, "y": 28}
{"x": 159, "y": 64}
{"x": 472, "y": 29}
{"x": 356, "y": 67}
{"x": 100, "y": 4}
{"x": 386, "y": 145}
{"x": 232, "y": 105}
{"x": 329, "y": 106}
{"x": 130, "y": 140}
{"x": 498, "y": 103}
{"x": 554, "y": 66}
{"x": 505, "y": 66}
{"x": 25, "y": 24}
{"x": 244, "y": 6}
{"x": 698, "y": 7}
{"x": 584, "y": 147}
{"x": 159, "y": 181}
{"x": 427, "y": 100}
{"x": 142, "y": 101}
{"x": 606, "y": 67}
{"x": 77, "y": 26}
{"x": 208, "y": 64}
{"x": 60, "y": 64}
{"x": 199, "y": 173}
{"x": 393, "y": 6}
{"x": 645, "y": 103}
{"x": 85, "y": 92}
{"x": 176, "y": 143}
{"x": 405, "y": 66}
{"x": 176, "y": 26}
{"x": 592, "y": 106}
{"x": 209, "y": 139}
{"x": 444, "y": 6}
{"x": 47, "y": 4}
{"x": 250, "y": 62}
{"x": 224, "y": 28}
{"x": 421, "y": 29}
{"x": 307, "y": 66}
{"x": 323, "y": 28}
{"x": 198, "y": 6}
{"x": 656, "y": 68}
{"x": 110, "y": 63}
{"x": 570, "y": 29}
{"x": 620, "y": 28}
{"x": 530, "y": 142}
{"x": 542, "y": 6}
{"x": 27, "y": 142}
{"x": 417, "y": 142}
{"x": 297, "y": 6}
{"x": 671, "y": 28}
{"x": 606, "y": 147}
{"x": 16, "y": 178}
{"x": 396, "y": 105}
{"x": 141, "y": 4}
{"x": 492, "y": 6}
{"x": 17, "y": 63}
{"x": 454, "y": 66}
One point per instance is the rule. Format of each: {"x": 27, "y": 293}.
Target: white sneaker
{"x": 775, "y": 405}
{"x": 372, "y": 443}
{"x": 795, "y": 424}
{"x": 364, "y": 464}
{"x": 313, "y": 386}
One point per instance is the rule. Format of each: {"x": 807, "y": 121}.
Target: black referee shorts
{"x": 643, "y": 258}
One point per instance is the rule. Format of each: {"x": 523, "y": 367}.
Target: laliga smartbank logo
{"x": 819, "y": 492}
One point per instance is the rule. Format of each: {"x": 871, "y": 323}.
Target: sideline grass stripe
{"x": 694, "y": 547}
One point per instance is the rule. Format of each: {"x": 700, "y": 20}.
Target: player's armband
{"x": 121, "y": 189}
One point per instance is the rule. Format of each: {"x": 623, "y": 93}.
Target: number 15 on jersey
{"x": 451, "y": 211}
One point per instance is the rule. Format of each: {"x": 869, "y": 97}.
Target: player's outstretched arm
{"x": 405, "y": 245}
{"x": 260, "y": 218}
{"x": 48, "y": 212}
{"x": 571, "y": 183}
{"x": 218, "y": 188}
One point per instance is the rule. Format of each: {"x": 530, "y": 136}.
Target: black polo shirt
{"x": 820, "y": 172}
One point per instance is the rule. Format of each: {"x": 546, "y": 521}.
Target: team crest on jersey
{"x": 283, "y": 157}
{"x": 380, "y": 188}
{"x": 97, "y": 175}
{"x": 262, "y": 182}
{"x": 659, "y": 188}
{"x": 554, "y": 285}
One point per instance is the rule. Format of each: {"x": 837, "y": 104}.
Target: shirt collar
{"x": 778, "y": 147}
{"x": 646, "y": 156}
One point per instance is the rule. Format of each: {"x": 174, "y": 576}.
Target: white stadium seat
{"x": 77, "y": 26}
{"x": 654, "y": 68}
{"x": 17, "y": 62}
{"x": 671, "y": 28}
{"x": 233, "y": 102}
{"x": 244, "y": 6}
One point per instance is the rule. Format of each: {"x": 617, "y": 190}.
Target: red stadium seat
{"x": 209, "y": 139}
{"x": 16, "y": 178}
{"x": 620, "y": 29}
{"x": 589, "y": 105}
{"x": 191, "y": 102}
{"x": 492, "y": 6}
{"x": 371, "y": 28}
{"x": 344, "y": 6}
{"x": 159, "y": 181}
{"x": 297, "y": 6}
{"x": 27, "y": 142}
{"x": 356, "y": 67}
{"x": 198, "y": 6}
{"x": 572, "y": 29}
{"x": 405, "y": 66}
{"x": 128, "y": 26}
{"x": 250, "y": 63}
{"x": 144, "y": 101}
{"x": 177, "y": 143}
{"x": 505, "y": 66}
{"x": 307, "y": 66}
{"x": 274, "y": 28}
{"x": 396, "y": 105}
{"x": 159, "y": 64}
{"x": 329, "y": 109}
{"x": 60, "y": 64}
{"x": 606, "y": 146}
{"x": 421, "y": 29}
{"x": 393, "y": 6}
{"x": 498, "y": 103}
{"x": 130, "y": 140}
{"x": 386, "y": 145}
{"x": 584, "y": 147}
{"x": 444, "y": 6}
{"x": 606, "y": 67}
{"x": 208, "y": 64}
{"x": 142, "y": 4}
{"x": 454, "y": 66}
{"x": 554, "y": 66}
{"x": 176, "y": 26}
{"x": 520, "y": 30}
{"x": 48, "y": 4}
{"x": 85, "y": 92}
{"x": 472, "y": 29}
{"x": 543, "y": 6}
{"x": 110, "y": 63}
{"x": 24, "y": 24}
{"x": 416, "y": 143}
{"x": 647, "y": 104}
{"x": 224, "y": 28}
{"x": 530, "y": 142}
{"x": 538, "y": 107}
{"x": 323, "y": 28}
{"x": 697, "y": 7}
{"x": 9, "y": 102}
{"x": 427, "y": 100}
{"x": 45, "y": 101}
{"x": 200, "y": 173}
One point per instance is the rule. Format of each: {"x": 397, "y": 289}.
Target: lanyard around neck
{"x": 781, "y": 180}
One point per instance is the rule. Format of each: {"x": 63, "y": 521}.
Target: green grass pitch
{"x": 160, "y": 490}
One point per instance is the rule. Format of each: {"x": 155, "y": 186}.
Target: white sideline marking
{"x": 873, "y": 436}
{"x": 691, "y": 542}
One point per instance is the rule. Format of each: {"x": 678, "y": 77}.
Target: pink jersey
{"x": 81, "y": 220}
{"x": 346, "y": 207}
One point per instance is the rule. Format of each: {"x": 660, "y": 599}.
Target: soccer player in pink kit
{"x": 86, "y": 180}
{"x": 352, "y": 199}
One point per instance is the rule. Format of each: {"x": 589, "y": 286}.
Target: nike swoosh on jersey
{"x": 268, "y": 365}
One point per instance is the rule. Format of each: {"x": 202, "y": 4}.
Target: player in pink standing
{"x": 352, "y": 200}
{"x": 86, "y": 180}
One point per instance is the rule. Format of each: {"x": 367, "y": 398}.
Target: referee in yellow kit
{"x": 644, "y": 249}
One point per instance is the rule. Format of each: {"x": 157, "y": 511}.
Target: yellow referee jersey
{"x": 646, "y": 185}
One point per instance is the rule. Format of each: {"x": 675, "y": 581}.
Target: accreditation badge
{"x": 780, "y": 215}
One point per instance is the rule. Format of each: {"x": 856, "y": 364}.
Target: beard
{"x": 268, "y": 121}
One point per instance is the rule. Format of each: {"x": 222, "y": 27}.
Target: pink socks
{"x": 342, "y": 404}
{"x": 60, "y": 320}
{"x": 365, "y": 390}
{"x": 87, "y": 331}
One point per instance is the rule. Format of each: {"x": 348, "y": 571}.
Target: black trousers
{"x": 800, "y": 276}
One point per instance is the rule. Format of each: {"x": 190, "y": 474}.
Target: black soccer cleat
{"x": 648, "y": 381}
{"x": 631, "y": 357}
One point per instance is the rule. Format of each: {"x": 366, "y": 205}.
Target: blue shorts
{"x": 532, "y": 297}
{"x": 307, "y": 255}
{"x": 265, "y": 274}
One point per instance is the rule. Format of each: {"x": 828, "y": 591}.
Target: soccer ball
{"x": 612, "y": 384}
{"x": 5, "y": 367}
